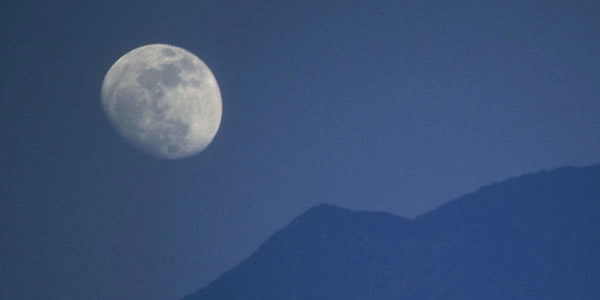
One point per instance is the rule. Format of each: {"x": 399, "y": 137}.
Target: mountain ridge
{"x": 531, "y": 236}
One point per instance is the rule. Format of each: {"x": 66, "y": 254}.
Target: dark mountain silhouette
{"x": 531, "y": 237}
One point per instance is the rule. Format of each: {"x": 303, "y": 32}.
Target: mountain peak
{"x": 324, "y": 210}
{"x": 327, "y": 218}
{"x": 530, "y": 237}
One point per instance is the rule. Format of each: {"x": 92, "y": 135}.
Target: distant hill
{"x": 532, "y": 237}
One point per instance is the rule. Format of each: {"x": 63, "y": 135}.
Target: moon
{"x": 163, "y": 100}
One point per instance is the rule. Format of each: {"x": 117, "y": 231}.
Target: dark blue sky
{"x": 396, "y": 106}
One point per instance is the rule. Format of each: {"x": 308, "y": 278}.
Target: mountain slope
{"x": 532, "y": 237}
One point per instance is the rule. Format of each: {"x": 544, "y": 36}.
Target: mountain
{"x": 531, "y": 237}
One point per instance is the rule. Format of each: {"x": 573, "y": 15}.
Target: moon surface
{"x": 164, "y": 100}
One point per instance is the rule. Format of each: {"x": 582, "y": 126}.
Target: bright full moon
{"x": 164, "y": 100}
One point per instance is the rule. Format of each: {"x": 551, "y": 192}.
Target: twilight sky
{"x": 393, "y": 106}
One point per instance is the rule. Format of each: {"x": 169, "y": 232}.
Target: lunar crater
{"x": 168, "y": 52}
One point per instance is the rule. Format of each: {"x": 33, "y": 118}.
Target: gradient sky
{"x": 393, "y": 106}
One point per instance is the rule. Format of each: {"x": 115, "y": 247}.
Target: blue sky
{"x": 395, "y": 106}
